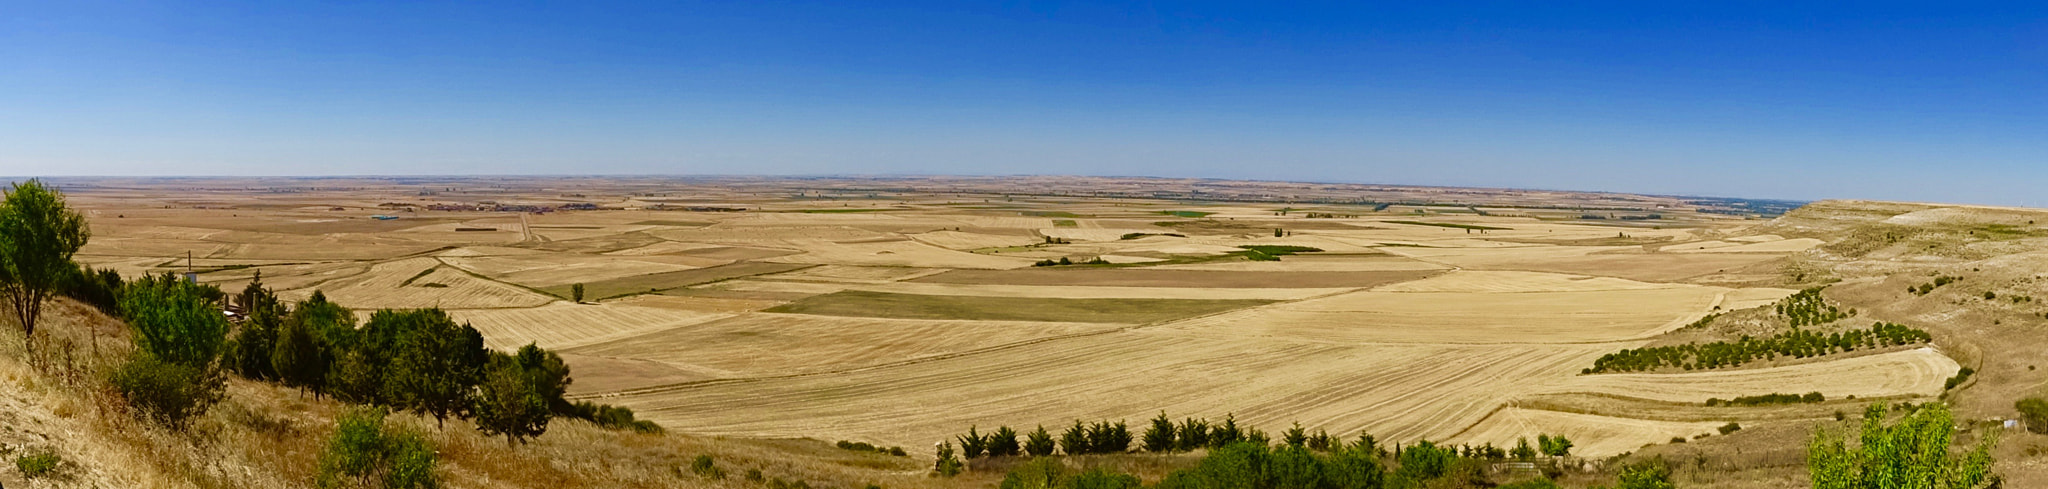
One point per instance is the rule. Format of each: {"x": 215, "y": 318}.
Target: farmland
{"x": 825, "y": 308}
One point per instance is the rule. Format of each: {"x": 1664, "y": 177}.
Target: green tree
{"x": 436, "y": 365}
{"x": 948, "y": 465}
{"x": 1039, "y": 443}
{"x": 1522, "y": 451}
{"x": 1192, "y": 434}
{"x": 576, "y": 293}
{"x": 1916, "y": 452}
{"x": 251, "y": 350}
{"x": 312, "y": 343}
{"x": 1294, "y": 467}
{"x": 1555, "y": 446}
{"x": 1354, "y": 468}
{"x": 1295, "y": 436}
{"x": 38, "y": 235}
{"x": 1075, "y": 441}
{"x": 512, "y": 399}
{"x": 1003, "y": 443}
{"x": 1160, "y": 437}
{"x": 175, "y": 321}
{"x": 973, "y": 444}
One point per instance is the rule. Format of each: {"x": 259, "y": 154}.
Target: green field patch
{"x": 1064, "y": 223}
{"x": 1452, "y": 225}
{"x": 914, "y": 306}
{"x": 1187, "y": 214}
{"x": 655, "y": 282}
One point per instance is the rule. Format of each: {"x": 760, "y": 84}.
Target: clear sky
{"x": 1943, "y": 101}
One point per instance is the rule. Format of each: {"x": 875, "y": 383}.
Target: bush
{"x": 2034, "y": 411}
{"x": 1647, "y": 474}
{"x": 1914, "y": 452}
{"x": 38, "y": 464}
{"x": 707, "y": 468}
{"x": 363, "y": 452}
{"x": 615, "y": 417}
{"x": 1731, "y": 427}
{"x": 170, "y": 394}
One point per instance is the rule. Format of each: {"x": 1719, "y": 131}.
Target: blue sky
{"x": 1747, "y": 99}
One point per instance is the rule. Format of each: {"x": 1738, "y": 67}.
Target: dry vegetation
{"x": 900, "y": 312}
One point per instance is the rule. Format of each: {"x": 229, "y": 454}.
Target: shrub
{"x": 1914, "y": 452}
{"x": 707, "y": 468}
{"x": 1731, "y": 427}
{"x": 1646, "y": 474}
{"x": 1044, "y": 473}
{"x": 1961, "y": 376}
{"x": 364, "y": 452}
{"x": 2034, "y": 411}
{"x": 38, "y": 463}
{"x": 169, "y": 394}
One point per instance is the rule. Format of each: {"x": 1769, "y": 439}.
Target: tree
{"x": 314, "y": 348}
{"x": 1075, "y": 440}
{"x": 1003, "y": 443}
{"x": 251, "y": 350}
{"x": 1294, "y": 467}
{"x": 1522, "y": 451}
{"x": 38, "y": 235}
{"x": 1295, "y": 436}
{"x": 576, "y": 292}
{"x": 1193, "y": 434}
{"x": 510, "y": 401}
{"x": 1160, "y": 437}
{"x": 1915, "y": 452}
{"x": 1555, "y": 446}
{"x": 1353, "y": 468}
{"x": 1039, "y": 443}
{"x": 973, "y": 443}
{"x": 178, "y": 331}
{"x": 436, "y": 365}
{"x": 948, "y": 464}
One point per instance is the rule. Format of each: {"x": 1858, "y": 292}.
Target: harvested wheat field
{"x": 734, "y": 309}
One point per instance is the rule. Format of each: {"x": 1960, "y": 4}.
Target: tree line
{"x": 1303, "y": 460}
{"x": 1795, "y": 343}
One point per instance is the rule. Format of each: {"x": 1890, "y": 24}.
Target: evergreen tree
{"x": 973, "y": 444}
{"x": 1075, "y": 440}
{"x": 1003, "y": 443}
{"x": 1193, "y": 434}
{"x": 1039, "y": 443}
{"x": 948, "y": 464}
{"x": 1160, "y": 437}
